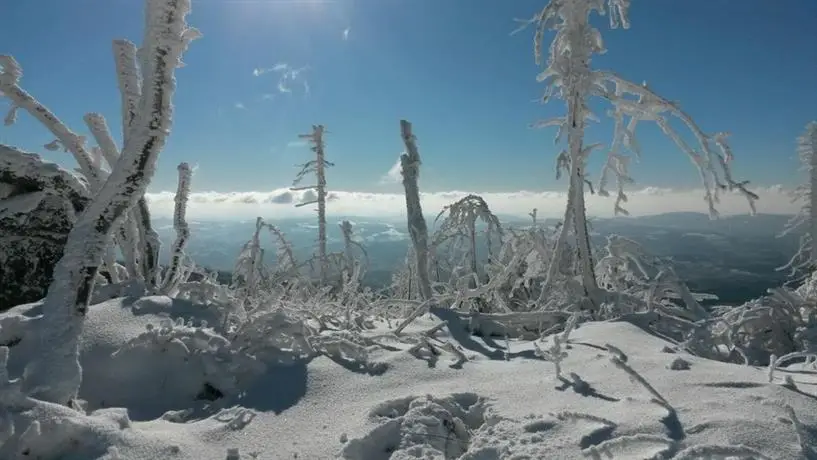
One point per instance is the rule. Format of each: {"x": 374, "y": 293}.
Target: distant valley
{"x": 732, "y": 257}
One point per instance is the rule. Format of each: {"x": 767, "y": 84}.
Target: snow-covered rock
{"x": 39, "y": 202}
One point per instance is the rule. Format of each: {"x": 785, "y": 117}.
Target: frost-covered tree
{"x": 287, "y": 264}
{"x": 318, "y": 167}
{"x": 55, "y": 374}
{"x": 249, "y": 265}
{"x": 805, "y": 259}
{"x": 568, "y": 76}
{"x": 418, "y": 230}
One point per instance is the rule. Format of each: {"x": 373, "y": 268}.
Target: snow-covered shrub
{"x": 218, "y": 299}
{"x": 249, "y": 268}
{"x": 784, "y": 321}
{"x": 520, "y": 268}
{"x": 638, "y": 282}
{"x": 275, "y": 337}
{"x": 780, "y": 323}
{"x": 458, "y": 233}
{"x": 176, "y": 362}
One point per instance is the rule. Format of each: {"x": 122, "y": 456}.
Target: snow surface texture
{"x": 379, "y": 396}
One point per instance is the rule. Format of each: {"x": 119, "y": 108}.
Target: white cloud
{"x": 390, "y": 234}
{"x": 393, "y": 175}
{"x": 307, "y": 196}
{"x": 287, "y": 76}
{"x": 280, "y": 202}
{"x": 346, "y": 33}
{"x": 282, "y": 66}
{"x": 240, "y": 106}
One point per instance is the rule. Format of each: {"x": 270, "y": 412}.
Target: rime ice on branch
{"x": 568, "y": 76}
{"x": 56, "y": 374}
{"x": 174, "y": 271}
{"x": 410, "y": 170}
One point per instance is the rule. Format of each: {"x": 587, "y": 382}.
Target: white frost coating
{"x": 47, "y": 175}
{"x": 10, "y": 74}
{"x": 712, "y": 162}
{"x": 130, "y": 89}
{"x": 317, "y": 166}
{"x": 128, "y": 234}
{"x": 172, "y": 278}
{"x": 349, "y": 243}
{"x": 11, "y": 116}
{"x": 127, "y": 76}
{"x": 410, "y": 170}
{"x": 249, "y": 266}
{"x": 568, "y": 75}
{"x": 56, "y": 374}
{"x": 461, "y": 223}
{"x": 102, "y": 135}
{"x": 806, "y": 218}
{"x": 569, "y": 72}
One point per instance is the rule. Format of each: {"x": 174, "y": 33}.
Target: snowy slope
{"x": 484, "y": 409}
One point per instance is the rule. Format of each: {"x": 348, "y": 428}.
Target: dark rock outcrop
{"x": 39, "y": 203}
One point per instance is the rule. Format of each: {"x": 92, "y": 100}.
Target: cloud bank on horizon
{"x": 281, "y": 202}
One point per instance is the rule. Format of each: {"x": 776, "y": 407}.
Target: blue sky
{"x": 449, "y": 66}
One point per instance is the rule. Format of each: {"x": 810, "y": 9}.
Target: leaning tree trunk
{"x": 410, "y": 169}
{"x": 55, "y": 374}
{"x": 559, "y": 245}
{"x": 588, "y": 271}
{"x": 175, "y": 269}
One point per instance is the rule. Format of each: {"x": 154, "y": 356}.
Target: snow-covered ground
{"x": 403, "y": 401}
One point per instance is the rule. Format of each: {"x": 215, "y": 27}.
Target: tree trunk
{"x": 55, "y": 374}
{"x": 410, "y": 169}
{"x": 473, "y": 256}
{"x": 811, "y": 133}
{"x": 321, "y": 173}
